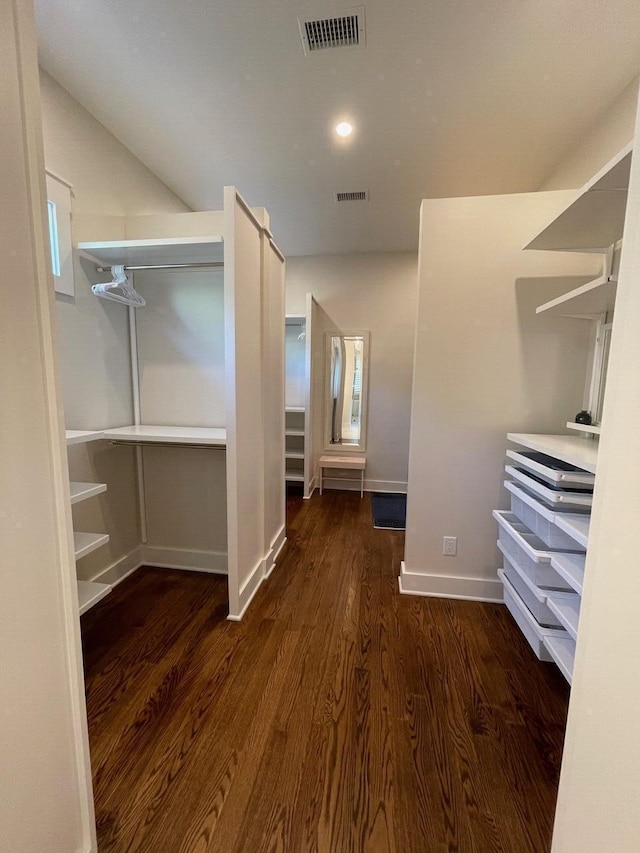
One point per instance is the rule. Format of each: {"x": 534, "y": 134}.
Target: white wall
{"x": 376, "y": 292}
{"x": 46, "y": 804}
{"x": 600, "y": 143}
{"x": 485, "y": 365}
{"x": 598, "y": 796}
{"x": 93, "y": 334}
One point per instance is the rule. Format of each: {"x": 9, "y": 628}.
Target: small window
{"x": 59, "y": 219}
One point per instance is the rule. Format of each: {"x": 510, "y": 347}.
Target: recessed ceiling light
{"x": 344, "y": 128}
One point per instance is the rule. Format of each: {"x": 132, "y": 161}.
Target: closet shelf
{"x": 174, "y": 250}
{"x": 82, "y": 491}
{"x": 569, "y": 448}
{"x": 566, "y": 607}
{"x": 295, "y": 410}
{"x": 90, "y": 593}
{"x": 589, "y": 300}
{"x": 80, "y": 436}
{"x": 85, "y": 543}
{"x": 588, "y": 428}
{"x": 147, "y": 434}
{"x": 297, "y": 432}
{"x": 570, "y": 567}
{"x": 294, "y": 454}
{"x": 294, "y": 477}
{"x": 595, "y": 218}
{"x": 562, "y": 650}
{"x": 577, "y": 526}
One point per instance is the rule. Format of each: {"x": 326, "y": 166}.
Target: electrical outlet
{"x": 450, "y": 546}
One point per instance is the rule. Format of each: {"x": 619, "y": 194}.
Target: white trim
{"x": 449, "y": 586}
{"x": 313, "y": 485}
{"x": 212, "y": 562}
{"x": 248, "y": 590}
{"x": 121, "y": 569}
{"x": 276, "y": 547}
{"x": 59, "y": 178}
{"x": 398, "y": 487}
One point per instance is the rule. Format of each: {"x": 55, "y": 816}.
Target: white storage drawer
{"x": 551, "y": 470}
{"x": 538, "y": 518}
{"x": 529, "y": 553}
{"x": 534, "y": 597}
{"x": 535, "y": 634}
{"x": 553, "y": 495}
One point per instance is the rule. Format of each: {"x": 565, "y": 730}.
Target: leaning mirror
{"x": 347, "y": 357}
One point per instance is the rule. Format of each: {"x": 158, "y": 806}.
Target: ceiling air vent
{"x": 346, "y": 30}
{"x": 360, "y": 195}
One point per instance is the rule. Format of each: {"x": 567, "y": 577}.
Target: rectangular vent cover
{"x": 360, "y": 195}
{"x": 346, "y": 30}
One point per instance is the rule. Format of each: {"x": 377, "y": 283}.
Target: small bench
{"x": 353, "y": 463}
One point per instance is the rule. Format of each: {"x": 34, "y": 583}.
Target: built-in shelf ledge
{"x": 296, "y": 432}
{"x": 294, "y": 454}
{"x": 594, "y": 220}
{"x": 588, "y": 428}
{"x": 85, "y": 543}
{"x": 570, "y": 567}
{"x": 82, "y": 491}
{"x": 562, "y": 650}
{"x": 90, "y": 593}
{"x": 300, "y": 410}
{"x": 173, "y": 250}
{"x": 588, "y": 301}
{"x": 81, "y": 436}
{"x": 573, "y": 449}
{"x": 294, "y": 477}
{"x": 576, "y": 526}
{"x": 149, "y": 434}
{"x": 566, "y": 608}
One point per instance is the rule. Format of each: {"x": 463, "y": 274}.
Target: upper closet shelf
{"x": 144, "y": 434}
{"x": 80, "y": 436}
{"x": 82, "y": 491}
{"x": 589, "y": 300}
{"x": 595, "y": 218}
{"x": 569, "y": 448}
{"x": 174, "y": 250}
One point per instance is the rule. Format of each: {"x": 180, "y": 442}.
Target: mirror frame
{"x": 361, "y": 446}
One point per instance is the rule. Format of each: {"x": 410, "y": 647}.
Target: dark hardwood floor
{"x": 337, "y": 717}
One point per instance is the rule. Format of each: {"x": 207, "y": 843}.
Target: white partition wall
{"x": 485, "y": 365}
{"x": 244, "y": 403}
{"x": 273, "y": 401}
{"x": 46, "y": 804}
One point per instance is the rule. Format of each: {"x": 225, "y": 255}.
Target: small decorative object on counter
{"x": 583, "y": 417}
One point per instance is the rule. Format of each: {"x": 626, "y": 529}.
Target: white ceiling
{"x": 449, "y": 97}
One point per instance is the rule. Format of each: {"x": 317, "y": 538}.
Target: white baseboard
{"x": 396, "y": 486}
{"x": 449, "y": 586}
{"x": 211, "y": 562}
{"x": 276, "y": 547}
{"x": 313, "y": 485}
{"x": 249, "y": 589}
{"x": 121, "y": 569}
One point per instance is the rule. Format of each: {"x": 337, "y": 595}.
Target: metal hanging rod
{"x": 218, "y": 264}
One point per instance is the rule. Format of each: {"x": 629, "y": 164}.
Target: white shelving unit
{"x": 576, "y": 526}
{"x": 81, "y": 436}
{"x": 90, "y": 593}
{"x": 590, "y": 300}
{"x": 568, "y": 448}
{"x": 595, "y": 218}
{"x": 85, "y": 543}
{"x": 589, "y": 429}
{"x": 82, "y": 491}
{"x": 570, "y": 567}
{"x": 147, "y": 434}
{"x": 296, "y": 354}
{"x": 173, "y": 250}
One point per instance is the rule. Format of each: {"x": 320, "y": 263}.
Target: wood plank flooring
{"x": 337, "y": 717}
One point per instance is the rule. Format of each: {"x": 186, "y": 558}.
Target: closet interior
{"x": 544, "y": 537}
{"x": 173, "y": 381}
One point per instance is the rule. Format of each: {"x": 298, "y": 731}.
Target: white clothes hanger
{"x": 120, "y": 289}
